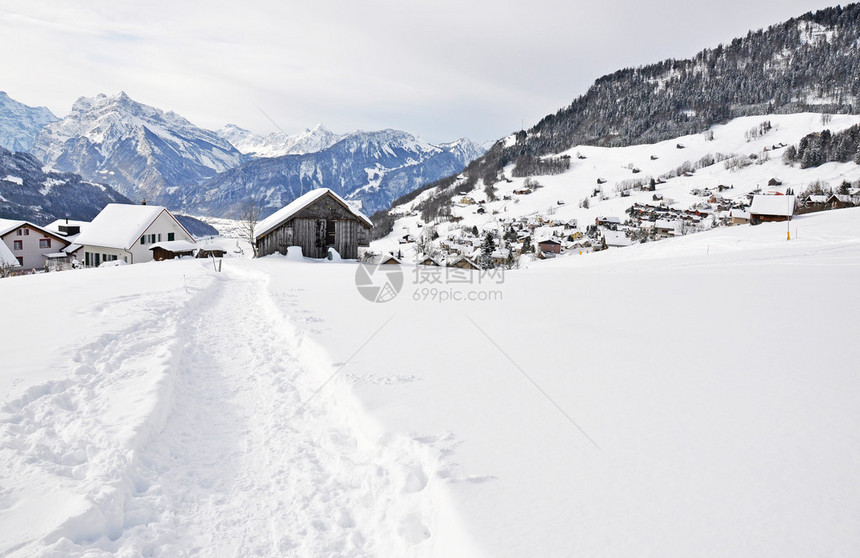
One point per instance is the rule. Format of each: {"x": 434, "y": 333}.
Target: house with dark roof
{"x": 316, "y": 221}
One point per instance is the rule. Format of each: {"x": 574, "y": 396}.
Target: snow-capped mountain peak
{"x": 20, "y": 124}
{"x": 140, "y": 149}
{"x": 279, "y": 143}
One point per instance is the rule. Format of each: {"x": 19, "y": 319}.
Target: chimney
{"x": 67, "y": 219}
{"x": 143, "y": 201}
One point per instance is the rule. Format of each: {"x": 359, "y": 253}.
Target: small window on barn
{"x": 159, "y": 237}
{"x": 143, "y": 240}
{"x": 329, "y": 232}
{"x": 171, "y": 237}
{"x": 19, "y": 232}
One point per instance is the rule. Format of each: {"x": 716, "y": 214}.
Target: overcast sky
{"x": 441, "y": 69}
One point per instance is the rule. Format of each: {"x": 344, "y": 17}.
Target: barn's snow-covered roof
{"x": 772, "y": 205}
{"x": 119, "y": 225}
{"x": 275, "y": 219}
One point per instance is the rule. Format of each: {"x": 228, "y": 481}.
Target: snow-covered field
{"x": 690, "y": 397}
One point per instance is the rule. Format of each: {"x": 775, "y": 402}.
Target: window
{"x": 44, "y": 243}
{"x": 159, "y": 237}
{"x": 19, "y": 232}
{"x": 143, "y": 240}
{"x": 17, "y": 245}
{"x": 96, "y": 261}
{"x": 26, "y": 232}
{"x": 87, "y": 259}
{"x": 329, "y": 232}
{"x": 171, "y": 237}
{"x": 20, "y": 260}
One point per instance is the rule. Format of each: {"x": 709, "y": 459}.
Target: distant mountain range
{"x": 146, "y": 153}
{"x": 369, "y": 168}
{"x": 20, "y": 124}
{"x": 140, "y": 150}
{"x": 277, "y": 144}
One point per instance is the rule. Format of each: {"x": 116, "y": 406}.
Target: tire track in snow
{"x": 228, "y": 476}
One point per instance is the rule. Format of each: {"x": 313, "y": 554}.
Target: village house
{"x": 616, "y": 239}
{"x": 771, "y": 208}
{"x": 549, "y": 246}
{"x": 30, "y": 245}
{"x": 429, "y": 261}
{"x": 665, "y": 229}
{"x": 463, "y": 263}
{"x": 607, "y": 221}
{"x": 316, "y": 221}
{"x": 738, "y": 216}
{"x": 172, "y": 249}
{"x": 123, "y": 232}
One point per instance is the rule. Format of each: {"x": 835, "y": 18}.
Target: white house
{"x": 125, "y": 233}
{"x": 30, "y": 245}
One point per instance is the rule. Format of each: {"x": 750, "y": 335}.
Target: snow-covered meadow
{"x": 694, "y": 396}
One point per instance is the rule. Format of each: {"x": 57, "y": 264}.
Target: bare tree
{"x": 248, "y": 221}
{"x": 7, "y": 267}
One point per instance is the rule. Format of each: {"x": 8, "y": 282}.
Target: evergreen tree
{"x": 487, "y": 249}
{"x": 527, "y": 245}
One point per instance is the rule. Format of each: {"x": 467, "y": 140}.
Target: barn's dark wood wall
{"x": 310, "y": 229}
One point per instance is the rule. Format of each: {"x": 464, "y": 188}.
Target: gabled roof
{"x": 772, "y": 205}
{"x": 274, "y": 220}
{"x": 121, "y": 225}
{"x": 9, "y": 225}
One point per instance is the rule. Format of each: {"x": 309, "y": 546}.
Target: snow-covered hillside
{"x": 141, "y": 150}
{"x": 29, "y": 193}
{"x": 709, "y": 173}
{"x": 278, "y": 143}
{"x": 689, "y": 397}
{"x": 20, "y": 124}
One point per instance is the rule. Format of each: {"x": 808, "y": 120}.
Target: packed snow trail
{"x": 231, "y": 474}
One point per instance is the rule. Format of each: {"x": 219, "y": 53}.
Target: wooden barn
{"x": 316, "y": 221}
{"x": 771, "y": 208}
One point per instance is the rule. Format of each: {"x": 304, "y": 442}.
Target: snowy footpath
{"x": 201, "y": 430}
